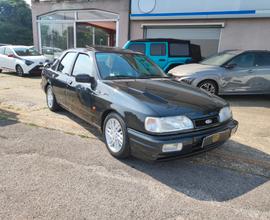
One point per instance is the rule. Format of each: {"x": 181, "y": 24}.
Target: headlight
{"x": 168, "y": 124}
{"x": 187, "y": 80}
{"x": 29, "y": 62}
{"x": 225, "y": 114}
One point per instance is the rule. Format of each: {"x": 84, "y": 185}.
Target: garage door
{"x": 207, "y": 38}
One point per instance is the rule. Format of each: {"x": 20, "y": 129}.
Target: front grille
{"x": 203, "y": 122}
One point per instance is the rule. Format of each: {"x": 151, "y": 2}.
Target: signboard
{"x": 192, "y": 9}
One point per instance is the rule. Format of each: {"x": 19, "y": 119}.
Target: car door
{"x": 238, "y": 77}
{"x": 158, "y": 53}
{"x": 60, "y": 76}
{"x": 80, "y": 95}
{"x": 260, "y": 80}
{"x": 9, "y": 59}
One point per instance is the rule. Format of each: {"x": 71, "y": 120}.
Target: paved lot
{"x": 54, "y": 166}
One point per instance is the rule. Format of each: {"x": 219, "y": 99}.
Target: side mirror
{"x": 230, "y": 66}
{"x": 48, "y": 65}
{"x": 85, "y": 78}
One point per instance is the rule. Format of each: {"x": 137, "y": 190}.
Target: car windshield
{"x": 125, "y": 65}
{"x": 219, "y": 59}
{"x": 26, "y": 51}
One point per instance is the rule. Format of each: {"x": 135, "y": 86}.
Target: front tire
{"x": 209, "y": 86}
{"x": 115, "y": 136}
{"x": 19, "y": 71}
{"x": 51, "y": 101}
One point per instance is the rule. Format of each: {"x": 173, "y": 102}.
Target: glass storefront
{"x": 62, "y": 30}
{"x": 56, "y": 38}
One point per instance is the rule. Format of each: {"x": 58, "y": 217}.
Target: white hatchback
{"x": 21, "y": 59}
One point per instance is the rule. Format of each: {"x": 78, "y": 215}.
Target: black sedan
{"x": 140, "y": 111}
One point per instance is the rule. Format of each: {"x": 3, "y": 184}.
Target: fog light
{"x": 172, "y": 147}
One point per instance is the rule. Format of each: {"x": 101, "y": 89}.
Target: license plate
{"x": 214, "y": 138}
{"x": 41, "y": 68}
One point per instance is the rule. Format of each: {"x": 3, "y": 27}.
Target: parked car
{"x": 140, "y": 110}
{"x": 22, "y": 59}
{"x": 167, "y": 53}
{"x": 229, "y": 72}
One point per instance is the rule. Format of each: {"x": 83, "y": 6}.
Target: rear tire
{"x": 1, "y": 70}
{"x": 51, "y": 101}
{"x": 115, "y": 136}
{"x": 209, "y": 86}
{"x": 19, "y": 71}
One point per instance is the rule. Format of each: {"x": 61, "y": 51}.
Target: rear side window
{"x": 66, "y": 63}
{"x": 2, "y": 50}
{"x": 158, "y": 49}
{"x": 8, "y": 51}
{"x": 262, "y": 59}
{"x": 137, "y": 47}
{"x": 179, "y": 49}
{"x": 83, "y": 65}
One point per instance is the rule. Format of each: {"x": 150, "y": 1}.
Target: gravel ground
{"x": 54, "y": 166}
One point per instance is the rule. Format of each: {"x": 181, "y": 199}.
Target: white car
{"x": 21, "y": 59}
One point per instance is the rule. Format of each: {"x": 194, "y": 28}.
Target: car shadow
{"x": 195, "y": 178}
{"x": 92, "y": 129}
{"x": 7, "y": 118}
{"x": 35, "y": 75}
{"x": 200, "y": 180}
{"x": 248, "y": 100}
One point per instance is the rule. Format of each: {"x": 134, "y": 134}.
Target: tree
{"x": 15, "y": 22}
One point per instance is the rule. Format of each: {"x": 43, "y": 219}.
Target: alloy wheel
{"x": 209, "y": 87}
{"x": 114, "y": 135}
{"x": 50, "y": 97}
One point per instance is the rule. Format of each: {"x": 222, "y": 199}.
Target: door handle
{"x": 161, "y": 60}
{"x": 250, "y": 71}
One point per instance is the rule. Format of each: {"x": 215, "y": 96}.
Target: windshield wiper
{"x": 121, "y": 77}
{"x": 151, "y": 77}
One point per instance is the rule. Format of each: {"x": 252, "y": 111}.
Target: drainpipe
{"x": 129, "y": 13}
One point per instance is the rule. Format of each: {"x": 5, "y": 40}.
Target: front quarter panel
{"x": 107, "y": 98}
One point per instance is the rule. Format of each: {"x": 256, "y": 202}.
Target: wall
{"x": 247, "y": 34}
{"x": 237, "y": 33}
{"x": 120, "y": 7}
{"x": 194, "y": 9}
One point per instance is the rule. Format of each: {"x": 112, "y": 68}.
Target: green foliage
{"x": 15, "y": 22}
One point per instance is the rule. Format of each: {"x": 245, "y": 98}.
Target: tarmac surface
{"x": 55, "y": 166}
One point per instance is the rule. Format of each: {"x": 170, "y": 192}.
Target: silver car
{"x": 229, "y": 72}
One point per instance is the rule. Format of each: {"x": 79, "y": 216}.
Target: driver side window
{"x": 66, "y": 63}
{"x": 83, "y": 65}
{"x": 244, "y": 61}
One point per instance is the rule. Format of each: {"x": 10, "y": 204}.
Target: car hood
{"x": 35, "y": 58}
{"x": 167, "y": 97}
{"x": 185, "y": 70}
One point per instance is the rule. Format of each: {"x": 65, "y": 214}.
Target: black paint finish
{"x": 134, "y": 100}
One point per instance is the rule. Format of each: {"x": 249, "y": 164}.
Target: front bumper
{"x": 36, "y": 70}
{"x": 149, "y": 147}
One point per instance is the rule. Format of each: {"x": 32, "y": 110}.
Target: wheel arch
{"x": 105, "y": 114}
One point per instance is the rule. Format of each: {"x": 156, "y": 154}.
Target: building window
{"x": 62, "y": 30}
{"x": 55, "y": 38}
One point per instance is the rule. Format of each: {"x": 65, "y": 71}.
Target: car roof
{"x": 104, "y": 49}
{"x": 169, "y": 40}
{"x": 237, "y": 52}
